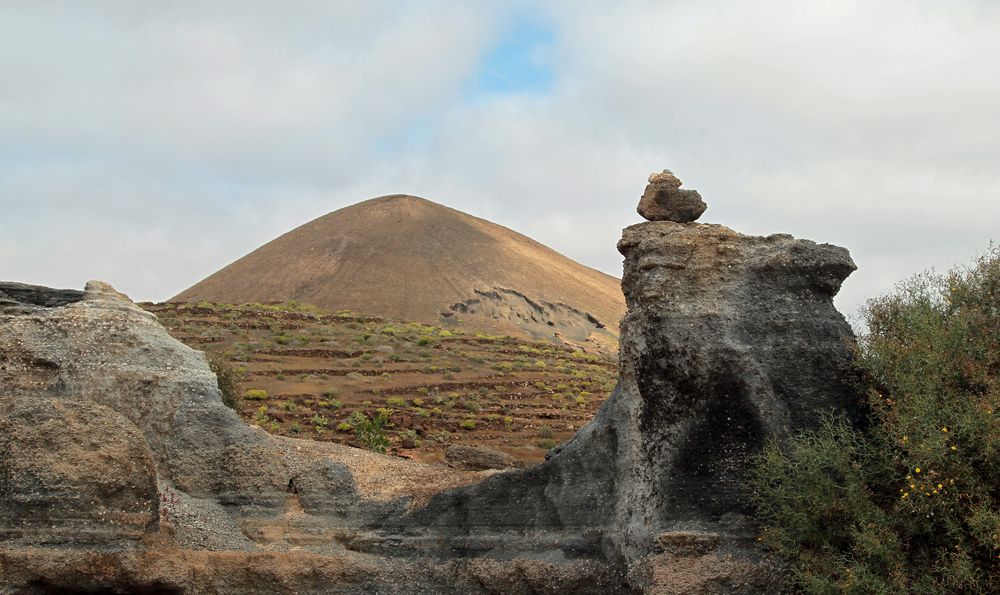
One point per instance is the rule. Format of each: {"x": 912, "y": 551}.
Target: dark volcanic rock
{"x": 729, "y": 341}
{"x": 21, "y": 297}
{"x": 733, "y": 340}
{"x": 663, "y": 200}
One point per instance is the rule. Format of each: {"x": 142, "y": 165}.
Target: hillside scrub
{"x": 912, "y": 502}
{"x": 229, "y": 379}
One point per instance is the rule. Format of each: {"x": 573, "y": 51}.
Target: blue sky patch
{"x": 518, "y": 63}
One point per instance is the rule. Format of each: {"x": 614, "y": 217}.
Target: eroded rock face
{"x": 732, "y": 340}
{"x": 729, "y": 341}
{"x": 73, "y": 472}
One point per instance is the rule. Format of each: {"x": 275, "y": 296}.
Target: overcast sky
{"x": 150, "y": 144}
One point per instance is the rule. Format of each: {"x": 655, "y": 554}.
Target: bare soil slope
{"x": 406, "y": 258}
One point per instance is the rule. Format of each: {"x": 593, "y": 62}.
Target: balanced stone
{"x": 663, "y": 200}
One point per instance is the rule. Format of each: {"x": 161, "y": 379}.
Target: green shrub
{"x": 228, "y": 378}
{"x": 255, "y": 394}
{"x": 370, "y": 431}
{"x": 911, "y": 503}
{"x": 396, "y": 402}
{"x": 468, "y": 424}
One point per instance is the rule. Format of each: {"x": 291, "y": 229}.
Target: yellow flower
{"x": 917, "y": 470}
{"x": 945, "y": 429}
{"x": 953, "y": 447}
{"x": 905, "y": 495}
{"x": 940, "y": 487}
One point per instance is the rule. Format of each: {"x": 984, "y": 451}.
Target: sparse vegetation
{"x": 304, "y": 365}
{"x": 255, "y": 394}
{"x": 912, "y": 503}
{"x": 229, "y": 379}
{"x": 370, "y": 431}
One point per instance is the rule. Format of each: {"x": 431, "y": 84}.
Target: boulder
{"x": 663, "y": 200}
{"x": 479, "y": 458}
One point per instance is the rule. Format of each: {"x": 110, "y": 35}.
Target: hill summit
{"x": 406, "y": 258}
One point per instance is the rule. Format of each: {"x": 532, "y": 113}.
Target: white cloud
{"x": 191, "y": 135}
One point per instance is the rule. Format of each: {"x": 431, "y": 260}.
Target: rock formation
{"x": 663, "y": 200}
{"x": 729, "y": 341}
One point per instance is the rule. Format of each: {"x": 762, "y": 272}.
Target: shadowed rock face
{"x": 35, "y": 295}
{"x": 732, "y": 340}
{"x": 729, "y": 340}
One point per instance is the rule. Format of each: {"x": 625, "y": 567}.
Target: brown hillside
{"x": 407, "y": 258}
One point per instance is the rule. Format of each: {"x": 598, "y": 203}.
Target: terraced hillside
{"x": 309, "y": 373}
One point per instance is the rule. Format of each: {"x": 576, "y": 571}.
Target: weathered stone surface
{"x": 663, "y": 200}
{"x": 730, "y": 340}
{"x": 479, "y": 458}
{"x": 104, "y": 417}
{"x": 73, "y": 472}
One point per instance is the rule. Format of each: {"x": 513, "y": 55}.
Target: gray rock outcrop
{"x": 663, "y": 200}
{"x": 729, "y": 341}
